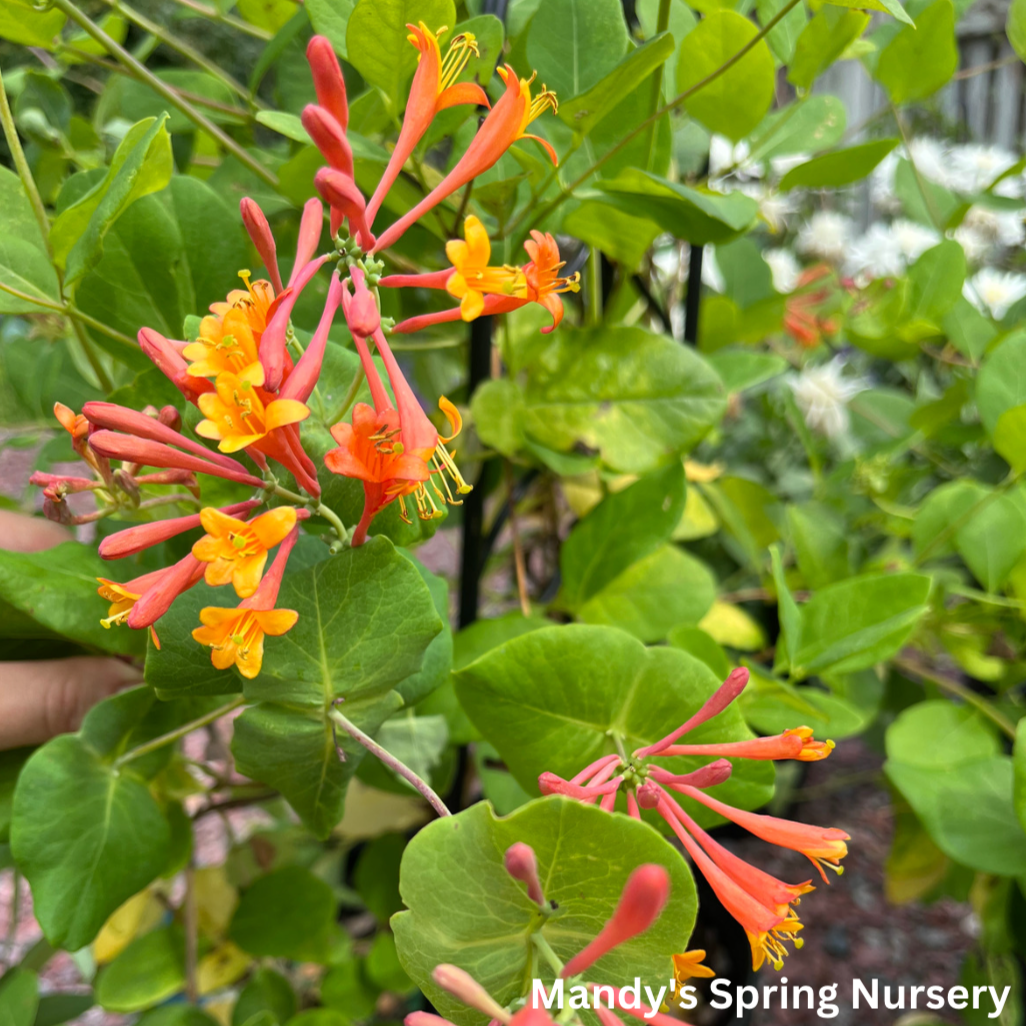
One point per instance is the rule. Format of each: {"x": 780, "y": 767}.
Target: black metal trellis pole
{"x": 693, "y": 296}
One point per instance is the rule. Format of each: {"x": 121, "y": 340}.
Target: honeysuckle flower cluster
{"x": 641, "y": 902}
{"x": 251, "y": 379}
{"x": 762, "y": 904}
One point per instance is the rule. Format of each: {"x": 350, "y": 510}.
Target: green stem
{"x": 545, "y": 950}
{"x": 662, "y": 24}
{"x": 389, "y": 760}
{"x": 162, "y": 89}
{"x": 190, "y": 917}
{"x": 595, "y": 286}
{"x": 102, "y": 377}
{"x": 174, "y": 735}
{"x": 920, "y": 184}
{"x": 959, "y": 522}
{"x": 170, "y": 40}
{"x": 967, "y": 695}
{"x": 24, "y": 171}
{"x": 226, "y": 19}
{"x": 68, "y": 311}
{"x": 350, "y": 397}
{"x": 569, "y": 190}
{"x": 320, "y": 509}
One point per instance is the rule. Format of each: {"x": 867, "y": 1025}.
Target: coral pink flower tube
{"x": 260, "y": 232}
{"x": 134, "y": 539}
{"x": 157, "y": 599}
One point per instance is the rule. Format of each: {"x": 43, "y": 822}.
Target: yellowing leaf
{"x": 216, "y": 899}
{"x": 137, "y": 915}
{"x": 730, "y": 625}
{"x": 221, "y": 968}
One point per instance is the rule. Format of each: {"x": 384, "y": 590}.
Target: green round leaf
{"x": 549, "y": 700}
{"x": 465, "y": 909}
{"x": 736, "y": 101}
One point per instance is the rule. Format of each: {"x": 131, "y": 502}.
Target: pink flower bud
{"x": 550, "y": 783}
{"x": 465, "y": 988}
{"x": 135, "y": 539}
{"x": 714, "y": 705}
{"x": 272, "y": 341}
{"x": 328, "y": 81}
{"x": 157, "y": 599}
{"x": 529, "y": 1016}
{"x": 300, "y": 383}
{"x": 170, "y": 417}
{"x": 310, "y": 227}
{"x": 425, "y": 1019}
{"x": 156, "y": 454}
{"x": 167, "y": 357}
{"x": 329, "y": 138}
{"x": 522, "y": 865}
{"x": 707, "y": 776}
{"x": 649, "y": 795}
{"x": 644, "y": 895}
{"x": 343, "y": 195}
{"x": 121, "y": 418}
{"x": 362, "y": 315}
{"x": 260, "y": 232}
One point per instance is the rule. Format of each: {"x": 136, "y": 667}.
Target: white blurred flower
{"x": 712, "y": 276}
{"x": 784, "y": 268}
{"x": 785, "y": 162}
{"x": 913, "y": 239}
{"x": 931, "y": 158}
{"x": 973, "y": 167}
{"x": 822, "y": 394}
{"x": 995, "y": 292}
{"x": 826, "y": 235}
{"x": 985, "y": 231}
{"x": 776, "y": 207}
{"x": 876, "y": 254}
{"x": 725, "y": 156}
{"x": 881, "y": 185}
{"x": 673, "y": 264}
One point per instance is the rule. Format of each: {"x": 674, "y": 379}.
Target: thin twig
{"x": 982, "y": 69}
{"x": 568, "y": 190}
{"x": 954, "y": 687}
{"x": 24, "y": 171}
{"x": 226, "y": 19}
{"x": 518, "y": 548}
{"x": 190, "y": 53}
{"x": 173, "y": 735}
{"x": 162, "y": 89}
{"x": 389, "y": 760}
{"x": 190, "y": 915}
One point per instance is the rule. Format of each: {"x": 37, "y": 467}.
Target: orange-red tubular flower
{"x": 434, "y": 88}
{"x": 259, "y": 232}
{"x": 522, "y": 865}
{"x": 135, "y": 539}
{"x": 300, "y": 383}
{"x": 644, "y": 895}
{"x": 796, "y": 743}
{"x": 502, "y": 127}
{"x": 311, "y": 224}
{"x": 765, "y": 928}
{"x": 329, "y": 138}
{"x": 121, "y": 418}
{"x": 465, "y": 988}
{"x": 342, "y": 194}
{"x": 370, "y": 451}
{"x": 735, "y": 683}
{"x": 156, "y": 600}
{"x": 272, "y": 341}
{"x": 327, "y": 78}
{"x": 167, "y": 357}
{"x": 550, "y": 783}
{"x": 822, "y": 846}
{"x": 147, "y": 453}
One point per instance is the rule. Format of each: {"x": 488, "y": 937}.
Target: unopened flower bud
{"x": 648, "y": 795}
{"x": 465, "y": 988}
{"x": 260, "y": 232}
{"x": 57, "y": 511}
{"x": 329, "y": 138}
{"x": 425, "y": 1019}
{"x": 170, "y": 417}
{"x": 329, "y": 84}
{"x": 363, "y": 316}
{"x": 644, "y": 895}
{"x": 528, "y": 1016}
{"x": 522, "y": 865}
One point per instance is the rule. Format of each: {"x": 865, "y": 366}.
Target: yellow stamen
{"x": 460, "y": 49}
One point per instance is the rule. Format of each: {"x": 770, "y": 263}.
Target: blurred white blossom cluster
{"x": 987, "y": 180}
